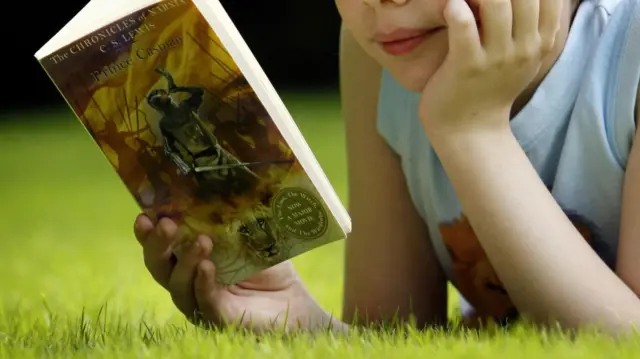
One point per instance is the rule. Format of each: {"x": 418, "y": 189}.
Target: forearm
{"x": 548, "y": 269}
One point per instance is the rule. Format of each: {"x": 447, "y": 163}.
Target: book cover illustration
{"x": 178, "y": 121}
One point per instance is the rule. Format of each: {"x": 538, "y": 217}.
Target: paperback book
{"x": 179, "y": 106}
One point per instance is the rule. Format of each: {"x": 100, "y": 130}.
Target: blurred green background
{"x": 66, "y": 219}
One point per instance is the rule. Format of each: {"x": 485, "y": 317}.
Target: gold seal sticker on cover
{"x": 300, "y": 213}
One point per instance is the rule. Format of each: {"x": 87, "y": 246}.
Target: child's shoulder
{"x": 609, "y": 85}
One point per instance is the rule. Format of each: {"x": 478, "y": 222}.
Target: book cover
{"x": 183, "y": 128}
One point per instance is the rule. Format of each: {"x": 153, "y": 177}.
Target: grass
{"x": 73, "y": 283}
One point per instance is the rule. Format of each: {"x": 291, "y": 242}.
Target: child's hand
{"x": 260, "y": 301}
{"x": 486, "y": 69}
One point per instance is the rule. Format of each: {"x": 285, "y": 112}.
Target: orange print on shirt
{"x": 473, "y": 275}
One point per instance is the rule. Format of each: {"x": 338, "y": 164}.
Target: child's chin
{"x": 412, "y": 78}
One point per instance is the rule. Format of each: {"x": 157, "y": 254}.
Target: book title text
{"x": 118, "y": 35}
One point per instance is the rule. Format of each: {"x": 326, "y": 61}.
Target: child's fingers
{"x": 496, "y": 17}
{"x": 464, "y": 38}
{"x": 158, "y": 251}
{"x": 182, "y": 279}
{"x": 525, "y": 20}
{"x": 549, "y": 21}
{"x": 142, "y": 227}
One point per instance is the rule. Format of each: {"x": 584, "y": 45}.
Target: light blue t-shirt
{"x": 577, "y": 131}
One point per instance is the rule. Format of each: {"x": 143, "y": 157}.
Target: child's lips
{"x": 404, "y": 41}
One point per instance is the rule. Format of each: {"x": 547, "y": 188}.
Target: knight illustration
{"x": 192, "y": 146}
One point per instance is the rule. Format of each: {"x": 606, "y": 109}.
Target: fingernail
{"x": 165, "y": 230}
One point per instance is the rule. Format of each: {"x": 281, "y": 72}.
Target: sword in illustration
{"x": 240, "y": 164}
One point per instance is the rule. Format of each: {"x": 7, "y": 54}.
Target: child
{"x": 490, "y": 144}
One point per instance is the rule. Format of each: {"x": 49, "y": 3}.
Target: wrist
{"x": 480, "y": 139}
{"x": 464, "y": 152}
{"x": 468, "y": 124}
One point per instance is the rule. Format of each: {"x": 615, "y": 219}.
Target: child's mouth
{"x": 406, "y": 43}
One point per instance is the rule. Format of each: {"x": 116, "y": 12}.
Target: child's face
{"x": 374, "y": 23}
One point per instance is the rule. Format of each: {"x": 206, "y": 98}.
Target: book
{"x": 173, "y": 97}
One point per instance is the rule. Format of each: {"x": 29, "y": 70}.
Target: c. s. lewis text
{"x": 127, "y": 37}
{"x": 142, "y": 53}
{"x": 118, "y": 33}
{"x": 96, "y": 38}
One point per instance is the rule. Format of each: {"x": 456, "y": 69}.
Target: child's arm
{"x": 390, "y": 264}
{"x": 628, "y": 264}
{"x": 548, "y": 269}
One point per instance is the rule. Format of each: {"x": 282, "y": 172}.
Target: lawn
{"x": 73, "y": 281}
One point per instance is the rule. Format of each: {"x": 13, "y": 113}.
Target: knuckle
{"x": 525, "y": 55}
{"x": 547, "y": 42}
{"x": 467, "y": 24}
{"x": 472, "y": 69}
{"x": 461, "y": 22}
{"x": 503, "y": 59}
{"x": 531, "y": 50}
{"x": 498, "y": 59}
{"x": 547, "y": 46}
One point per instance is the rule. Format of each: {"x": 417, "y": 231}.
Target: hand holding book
{"x": 273, "y": 298}
{"x": 229, "y": 188}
